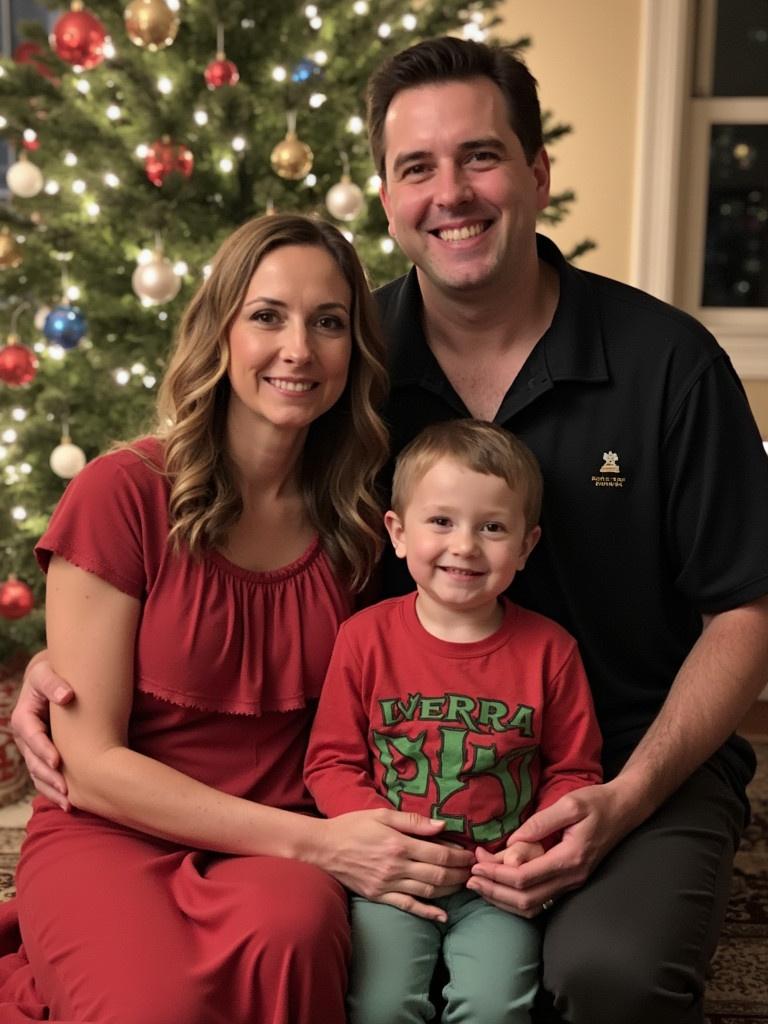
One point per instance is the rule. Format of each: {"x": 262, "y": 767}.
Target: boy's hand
{"x": 518, "y": 852}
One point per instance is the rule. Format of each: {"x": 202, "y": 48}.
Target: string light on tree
{"x": 221, "y": 71}
{"x": 24, "y": 178}
{"x": 150, "y": 24}
{"x": 39, "y": 318}
{"x": 78, "y": 37}
{"x": 291, "y": 158}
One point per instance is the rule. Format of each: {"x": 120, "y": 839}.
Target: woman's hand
{"x": 29, "y": 722}
{"x": 376, "y": 854}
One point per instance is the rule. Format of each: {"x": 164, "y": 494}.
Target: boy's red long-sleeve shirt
{"x": 477, "y": 734}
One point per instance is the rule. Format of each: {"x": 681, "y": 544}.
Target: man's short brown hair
{"x": 446, "y": 59}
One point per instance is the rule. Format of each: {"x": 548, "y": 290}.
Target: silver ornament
{"x": 67, "y": 459}
{"x": 345, "y": 200}
{"x": 156, "y": 281}
{"x": 24, "y": 178}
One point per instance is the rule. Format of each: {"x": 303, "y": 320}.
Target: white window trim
{"x": 665, "y": 72}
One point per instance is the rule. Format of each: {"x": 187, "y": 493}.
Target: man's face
{"x": 460, "y": 198}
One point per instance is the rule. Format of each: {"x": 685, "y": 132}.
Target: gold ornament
{"x": 10, "y": 251}
{"x": 291, "y": 158}
{"x": 151, "y": 24}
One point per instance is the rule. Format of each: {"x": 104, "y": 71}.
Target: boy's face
{"x": 463, "y": 536}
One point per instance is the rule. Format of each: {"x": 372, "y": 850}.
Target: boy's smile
{"x": 463, "y": 535}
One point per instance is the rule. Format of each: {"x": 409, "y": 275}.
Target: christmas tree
{"x": 142, "y": 138}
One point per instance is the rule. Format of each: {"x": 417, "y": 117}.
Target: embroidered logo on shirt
{"x": 609, "y": 472}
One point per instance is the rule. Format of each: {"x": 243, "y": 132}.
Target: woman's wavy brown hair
{"x": 345, "y": 447}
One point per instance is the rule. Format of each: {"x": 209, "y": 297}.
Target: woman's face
{"x": 290, "y": 343}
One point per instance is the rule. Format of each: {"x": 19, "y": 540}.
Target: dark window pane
{"x": 20, "y": 12}
{"x": 741, "y": 48}
{"x": 736, "y": 250}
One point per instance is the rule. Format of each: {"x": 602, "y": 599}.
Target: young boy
{"x": 457, "y": 704}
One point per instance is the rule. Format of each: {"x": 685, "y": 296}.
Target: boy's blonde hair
{"x": 481, "y": 447}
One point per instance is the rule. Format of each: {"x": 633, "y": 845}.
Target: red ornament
{"x": 165, "y": 157}
{"x": 26, "y": 52}
{"x": 18, "y": 364}
{"x": 29, "y": 140}
{"x": 221, "y": 72}
{"x": 16, "y": 599}
{"x": 78, "y": 37}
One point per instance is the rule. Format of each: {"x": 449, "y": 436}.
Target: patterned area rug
{"x": 738, "y": 987}
{"x": 737, "y": 992}
{"x": 10, "y": 844}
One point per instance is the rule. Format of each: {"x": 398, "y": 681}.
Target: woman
{"x": 196, "y": 579}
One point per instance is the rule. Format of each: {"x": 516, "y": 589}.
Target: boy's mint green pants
{"x": 492, "y": 959}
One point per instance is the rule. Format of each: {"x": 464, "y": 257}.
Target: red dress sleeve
{"x": 107, "y": 520}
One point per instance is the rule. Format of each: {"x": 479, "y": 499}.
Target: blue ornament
{"x": 306, "y": 69}
{"x": 65, "y": 325}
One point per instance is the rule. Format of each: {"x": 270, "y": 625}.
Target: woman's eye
{"x": 330, "y": 323}
{"x": 264, "y": 316}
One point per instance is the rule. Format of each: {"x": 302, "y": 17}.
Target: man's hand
{"x": 591, "y": 821}
{"x": 29, "y": 723}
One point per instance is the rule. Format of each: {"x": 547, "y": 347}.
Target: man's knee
{"x": 609, "y": 978}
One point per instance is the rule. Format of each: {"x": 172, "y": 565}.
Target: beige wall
{"x": 585, "y": 57}
{"x": 757, "y": 390}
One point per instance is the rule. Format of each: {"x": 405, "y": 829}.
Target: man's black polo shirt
{"x": 655, "y": 479}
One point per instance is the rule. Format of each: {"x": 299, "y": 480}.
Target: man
{"x": 654, "y": 551}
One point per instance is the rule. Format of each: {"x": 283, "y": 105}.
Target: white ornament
{"x": 67, "y": 459}
{"x": 24, "y": 178}
{"x": 345, "y": 200}
{"x": 156, "y": 281}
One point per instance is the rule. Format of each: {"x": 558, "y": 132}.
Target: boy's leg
{"x": 493, "y": 963}
{"x": 393, "y": 957}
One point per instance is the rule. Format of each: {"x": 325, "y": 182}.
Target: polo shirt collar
{"x": 572, "y": 348}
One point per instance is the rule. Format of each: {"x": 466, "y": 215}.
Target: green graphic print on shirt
{"x": 440, "y": 748}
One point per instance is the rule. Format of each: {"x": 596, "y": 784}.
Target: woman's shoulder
{"x": 138, "y": 464}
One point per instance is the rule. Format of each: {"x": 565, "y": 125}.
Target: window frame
{"x": 670, "y": 201}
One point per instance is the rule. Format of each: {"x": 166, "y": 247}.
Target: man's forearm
{"x": 717, "y": 684}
